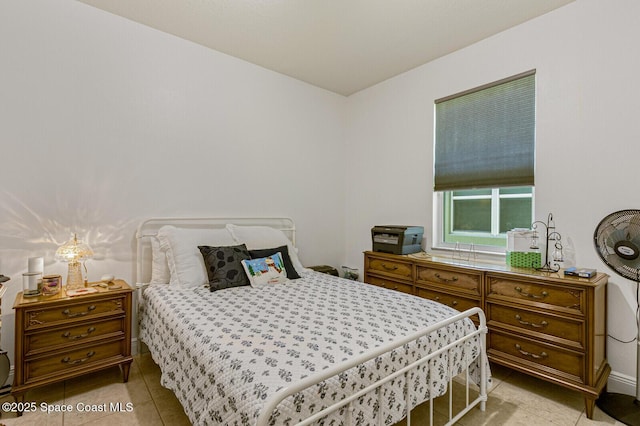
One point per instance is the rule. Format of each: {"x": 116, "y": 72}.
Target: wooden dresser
{"x": 59, "y": 337}
{"x": 540, "y": 323}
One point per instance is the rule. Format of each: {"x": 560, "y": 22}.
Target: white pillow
{"x": 159, "y": 267}
{"x": 264, "y": 237}
{"x": 183, "y": 256}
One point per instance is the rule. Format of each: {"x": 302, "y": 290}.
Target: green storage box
{"x": 521, "y": 259}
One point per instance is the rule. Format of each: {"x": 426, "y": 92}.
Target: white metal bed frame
{"x": 148, "y": 229}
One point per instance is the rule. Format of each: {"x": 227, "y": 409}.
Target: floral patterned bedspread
{"x": 224, "y": 353}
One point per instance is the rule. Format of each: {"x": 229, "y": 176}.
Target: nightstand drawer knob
{"x": 70, "y": 314}
{"x": 67, "y": 334}
{"x": 68, "y": 360}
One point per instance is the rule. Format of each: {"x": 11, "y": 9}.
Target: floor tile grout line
{"x": 155, "y": 404}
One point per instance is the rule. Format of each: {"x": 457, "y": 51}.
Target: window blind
{"x": 485, "y": 137}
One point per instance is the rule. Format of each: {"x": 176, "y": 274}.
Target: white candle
{"x": 36, "y": 264}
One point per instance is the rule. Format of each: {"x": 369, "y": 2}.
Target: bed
{"x": 317, "y": 349}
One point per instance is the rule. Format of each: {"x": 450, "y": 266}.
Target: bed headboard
{"x": 149, "y": 228}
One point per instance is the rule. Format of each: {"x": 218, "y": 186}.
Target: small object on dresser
{"x": 580, "y": 272}
{"x": 81, "y": 291}
{"x": 31, "y": 284}
{"x": 107, "y": 279}
{"x": 325, "y": 269}
{"x": 397, "y": 239}
{"x": 521, "y": 259}
{"x": 350, "y": 273}
{"x": 109, "y": 282}
{"x": 51, "y": 284}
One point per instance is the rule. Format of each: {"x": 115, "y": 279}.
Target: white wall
{"x": 586, "y": 59}
{"x": 105, "y": 122}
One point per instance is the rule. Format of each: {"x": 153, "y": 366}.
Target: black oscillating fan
{"x": 617, "y": 241}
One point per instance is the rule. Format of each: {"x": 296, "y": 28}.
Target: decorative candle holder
{"x": 31, "y": 284}
{"x": 550, "y": 236}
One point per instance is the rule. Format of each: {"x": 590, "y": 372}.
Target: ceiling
{"x": 340, "y": 45}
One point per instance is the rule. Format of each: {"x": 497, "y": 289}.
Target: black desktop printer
{"x": 397, "y": 239}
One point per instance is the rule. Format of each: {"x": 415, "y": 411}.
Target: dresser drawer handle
{"x": 69, "y": 361}
{"x": 447, "y": 280}
{"x": 532, "y": 324}
{"x": 534, "y": 356}
{"x": 533, "y": 296}
{"x": 389, "y": 288}
{"x": 453, "y": 303}
{"x": 67, "y": 334}
{"x": 70, "y": 314}
{"x": 389, "y": 268}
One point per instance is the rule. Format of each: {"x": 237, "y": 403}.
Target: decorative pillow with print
{"x": 265, "y": 270}
{"x": 292, "y": 274}
{"x": 224, "y": 266}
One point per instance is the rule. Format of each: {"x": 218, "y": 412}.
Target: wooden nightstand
{"x": 60, "y": 337}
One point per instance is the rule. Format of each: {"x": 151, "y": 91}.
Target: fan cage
{"x": 627, "y": 221}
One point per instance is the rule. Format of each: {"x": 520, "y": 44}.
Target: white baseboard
{"x": 621, "y": 383}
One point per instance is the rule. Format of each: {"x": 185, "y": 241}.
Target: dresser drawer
{"x": 453, "y": 301}
{"x": 85, "y": 357}
{"x": 392, "y": 285}
{"x": 561, "y": 298}
{"x": 403, "y": 270}
{"x": 63, "y": 337}
{"x": 564, "y": 331}
{"x": 468, "y": 282}
{"x": 545, "y": 358}
{"x": 63, "y": 314}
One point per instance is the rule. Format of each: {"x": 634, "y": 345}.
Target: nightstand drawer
{"x": 467, "y": 282}
{"x": 85, "y": 357}
{"x": 65, "y": 336}
{"x": 542, "y": 357}
{"x": 565, "y": 331}
{"x": 391, "y": 267}
{"x": 78, "y": 310}
{"x": 391, "y": 285}
{"x": 561, "y": 298}
{"x": 61, "y": 337}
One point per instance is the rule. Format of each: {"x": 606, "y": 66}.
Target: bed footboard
{"x": 480, "y": 333}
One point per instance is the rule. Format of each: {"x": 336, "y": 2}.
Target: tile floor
{"x": 515, "y": 399}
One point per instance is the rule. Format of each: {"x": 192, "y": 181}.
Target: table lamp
{"x": 74, "y": 252}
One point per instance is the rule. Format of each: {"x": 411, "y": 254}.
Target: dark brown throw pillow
{"x": 224, "y": 267}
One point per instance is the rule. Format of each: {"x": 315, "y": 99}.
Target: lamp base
{"x": 624, "y": 408}
{"x": 74, "y": 276}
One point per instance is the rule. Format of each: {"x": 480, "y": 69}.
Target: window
{"x": 484, "y": 163}
{"x": 483, "y": 216}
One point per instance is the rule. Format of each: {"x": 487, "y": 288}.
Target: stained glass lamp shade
{"x": 75, "y": 252}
